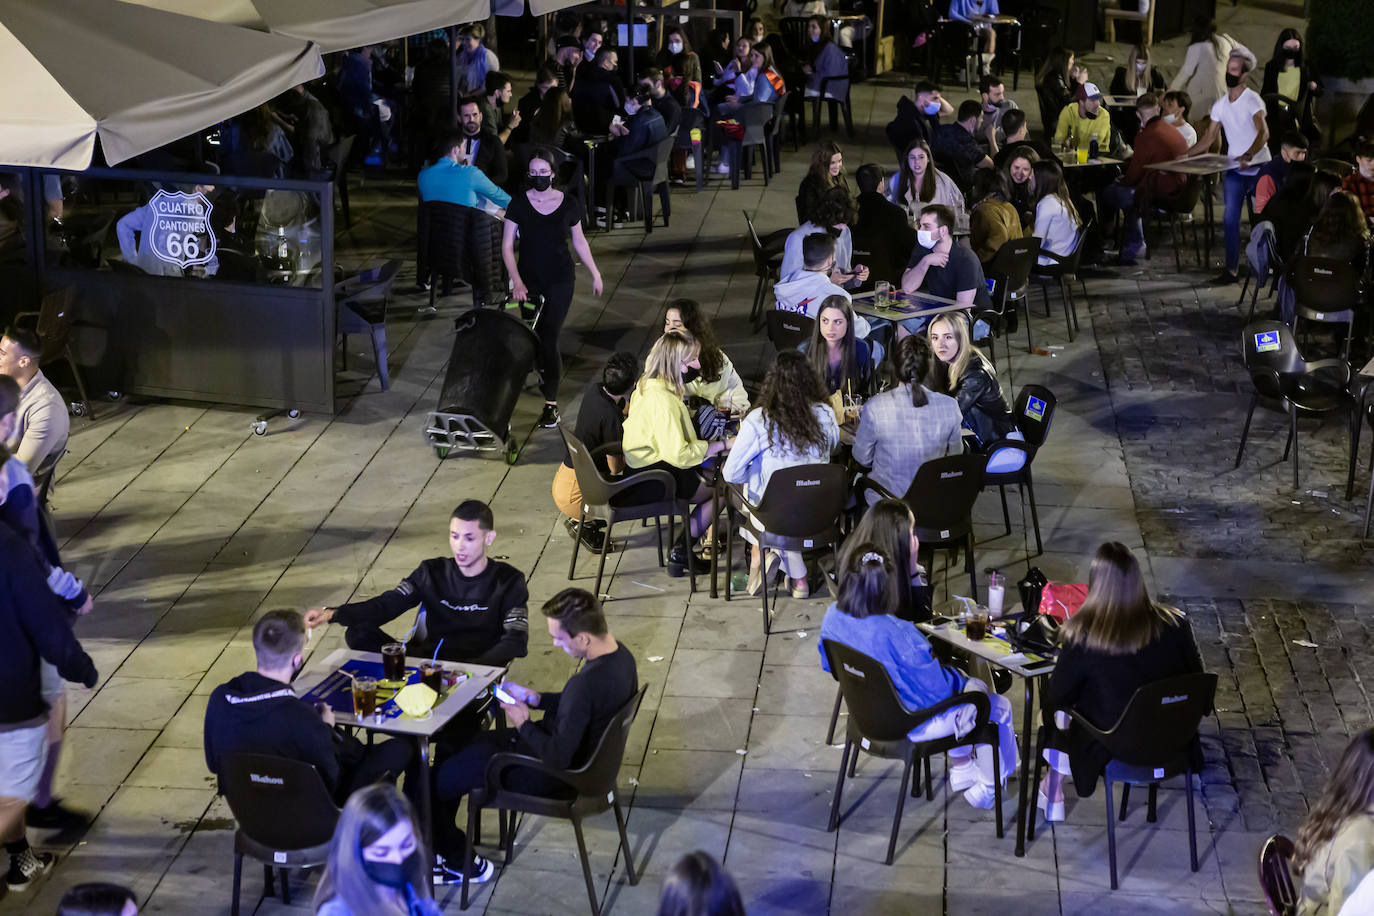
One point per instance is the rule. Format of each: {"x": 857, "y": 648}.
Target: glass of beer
{"x": 432, "y": 676}
{"x": 364, "y": 697}
{"x": 976, "y": 627}
{"x": 882, "y": 293}
{"x": 394, "y": 661}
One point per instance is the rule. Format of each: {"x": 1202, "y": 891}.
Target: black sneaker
{"x": 550, "y": 417}
{"x": 445, "y": 873}
{"x": 593, "y": 538}
{"x": 56, "y": 816}
{"x": 25, "y": 867}
{"x": 1224, "y": 278}
{"x": 682, "y": 559}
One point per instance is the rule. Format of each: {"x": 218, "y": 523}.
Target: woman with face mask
{"x": 827, "y": 64}
{"x": 681, "y": 68}
{"x": 377, "y": 863}
{"x": 1138, "y": 76}
{"x": 1287, "y": 76}
{"x": 545, "y": 219}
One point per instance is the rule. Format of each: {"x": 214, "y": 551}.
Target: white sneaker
{"x": 1053, "y": 811}
{"x": 723, "y": 169}
{"x": 963, "y": 775}
{"x": 981, "y": 796}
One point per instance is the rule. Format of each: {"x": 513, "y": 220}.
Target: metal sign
{"x": 180, "y": 233}
{"x": 1267, "y": 342}
{"x": 1035, "y": 408}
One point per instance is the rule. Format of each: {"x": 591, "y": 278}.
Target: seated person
{"x": 833, "y": 212}
{"x": 955, "y": 147}
{"x": 1019, "y": 172}
{"x": 1292, "y": 148}
{"x": 544, "y": 80}
{"x": 134, "y": 237}
{"x": 761, "y": 82}
{"x": 552, "y": 124}
{"x": 1083, "y": 120}
{"x": 476, "y": 605}
{"x": 941, "y": 268}
{"x": 1118, "y": 641}
{"x": 826, "y": 171}
{"x": 1056, "y": 219}
{"x": 39, "y": 434}
{"x": 994, "y": 220}
{"x": 651, "y": 85}
{"x": 718, "y": 383}
{"x": 964, "y": 373}
{"x": 258, "y": 713}
{"x": 660, "y": 435}
{"x": 1174, "y": 107}
{"x": 917, "y": 120}
{"x": 827, "y": 70}
{"x": 993, "y": 106}
{"x": 922, "y": 185}
{"x": 907, "y": 425}
{"x": 726, "y": 80}
{"x": 791, "y": 425}
{"x": 565, "y": 738}
{"x": 1335, "y": 847}
{"x": 453, "y": 180}
{"x": 565, "y": 61}
{"x": 633, "y": 154}
{"x": 481, "y": 146}
{"x": 1138, "y": 76}
{"x": 969, "y": 11}
{"x": 1340, "y": 232}
{"x": 1140, "y": 186}
{"x": 377, "y": 861}
{"x": 889, "y": 526}
{"x": 600, "y": 422}
{"x": 597, "y": 96}
{"x": 680, "y": 66}
{"x": 881, "y": 233}
{"x": 804, "y": 290}
{"x": 862, "y": 619}
{"x": 838, "y": 356}
{"x": 1016, "y": 132}
{"x": 1296, "y": 205}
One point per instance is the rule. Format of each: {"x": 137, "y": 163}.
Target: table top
{"x": 1205, "y": 164}
{"x": 323, "y": 677}
{"x": 994, "y": 650}
{"x": 907, "y": 307}
{"x": 1120, "y": 101}
{"x": 1073, "y": 163}
{"x": 999, "y": 19}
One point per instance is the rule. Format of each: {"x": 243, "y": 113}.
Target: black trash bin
{"x": 492, "y": 354}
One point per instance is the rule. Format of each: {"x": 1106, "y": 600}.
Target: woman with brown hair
{"x": 1340, "y": 231}
{"x": 1335, "y": 848}
{"x": 1118, "y": 641}
{"x": 921, "y": 184}
{"x": 718, "y": 382}
{"x": 827, "y": 171}
{"x": 553, "y": 125}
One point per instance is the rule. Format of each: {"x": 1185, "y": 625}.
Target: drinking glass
{"x": 394, "y": 661}
{"x": 882, "y": 291}
{"x": 432, "y": 676}
{"x": 364, "y": 697}
{"x": 976, "y": 627}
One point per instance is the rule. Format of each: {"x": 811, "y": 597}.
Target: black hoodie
{"x": 253, "y": 714}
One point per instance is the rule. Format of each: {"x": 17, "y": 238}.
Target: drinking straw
{"x": 435, "y": 659}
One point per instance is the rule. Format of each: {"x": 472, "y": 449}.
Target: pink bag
{"x": 1062, "y": 600}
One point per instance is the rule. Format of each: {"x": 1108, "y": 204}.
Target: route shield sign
{"x": 180, "y": 232}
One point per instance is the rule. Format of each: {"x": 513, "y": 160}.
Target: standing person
{"x": 699, "y": 886}
{"x": 1056, "y": 219}
{"x": 476, "y": 605}
{"x": 1335, "y": 848}
{"x": 565, "y": 738}
{"x": 1203, "y": 74}
{"x": 377, "y": 862}
{"x": 34, "y": 628}
{"x": 964, "y": 373}
{"x": 475, "y": 60}
{"x": 1240, "y": 112}
{"x": 546, "y": 218}
{"x": 39, "y": 436}
{"x": 600, "y": 423}
{"x": 718, "y": 382}
{"x": 890, "y": 526}
{"x": 827, "y": 171}
{"x": 827, "y": 65}
{"x": 907, "y": 425}
{"x": 921, "y": 184}
{"x": 1158, "y": 141}
{"x": 792, "y": 424}
{"x": 1119, "y": 640}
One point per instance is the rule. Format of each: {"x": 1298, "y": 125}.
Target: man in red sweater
{"x": 1158, "y": 141}
{"x": 1361, "y": 181}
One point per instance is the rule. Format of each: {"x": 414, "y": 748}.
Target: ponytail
{"x": 868, "y": 585}
{"x": 913, "y": 366}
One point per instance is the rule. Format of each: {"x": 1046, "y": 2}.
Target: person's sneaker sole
{"x": 444, "y": 875}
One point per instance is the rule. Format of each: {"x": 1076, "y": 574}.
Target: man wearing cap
{"x": 1085, "y": 120}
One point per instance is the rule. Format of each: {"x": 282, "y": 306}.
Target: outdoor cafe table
{"x": 1028, "y": 666}
{"x": 325, "y": 681}
{"x": 1206, "y": 166}
{"x": 903, "y": 306}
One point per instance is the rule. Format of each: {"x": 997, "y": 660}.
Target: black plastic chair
{"x": 693, "y": 120}
{"x": 454, "y": 242}
{"x": 954, "y": 43}
{"x": 1275, "y": 266}
{"x": 594, "y": 791}
{"x": 285, "y": 814}
{"x": 800, "y": 510}
{"x": 1287, "y": 383}
{"x": 1011, "y": 268}
{"x": 941, "y": 497}
{"x": 1327, "y": 291}
{"x": 1177, "y": 211}
{"x": 1151, "y": 742}
{"x": 1033, "y": 412}
{"x": 767, "y": 263}
{"x": 795, "y": 38}
{"x": 788, "y": 330}
{"x": 879, "y": 724}
{"x": 1276, "y": 876}
{"x": 774, "y": 136}
{"x": 1064, "y": 273}
{"x": 754, "y": 118}
{"x": 658, "y": 181}
{"x": 599, "y": 502}
{"x": 53, "y": 325}
{"x": 1369, "y": 500}
{"x": 361, "y": 302}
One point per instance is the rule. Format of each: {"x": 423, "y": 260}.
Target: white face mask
{"x": 926, "y": 239}
{"x": 1171, "y": 118}
{"x": 674, "y": 47}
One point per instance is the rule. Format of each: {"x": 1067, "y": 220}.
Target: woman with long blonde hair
{"x": 377, "y": 865}
{"x": 1335, "y": 848}
{"x": 1119, "y": 640}
{"x": 961, "y": 371}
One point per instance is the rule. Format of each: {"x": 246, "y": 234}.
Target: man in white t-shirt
{"x": 1240, "y": 112}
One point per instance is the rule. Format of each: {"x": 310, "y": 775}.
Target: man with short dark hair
{"x": 565, "y": 60}
{"x": 598, "y": 96}
{"x": 481, "y": 146}
{"x": 565, "y": 738}
{"x": 1361, "y": 181}
{"x": 955, "y": 147}
{"x": 1158, "y": 141}
{"x": 476, "y": 605}
{"x": 994, "y": 106}
{"x": 454, "y": 179}
{"x": 917, "y": 120}
{"x": 258, "y": 712}
{"x": 882, "y": 234}
{"x": 1174, "y": 109}
{"x": 804, "y": 290}
{"x": 1272, "y": 175}
{"x": 600, "y": 423}
{"x": 942, "y": 268}
{"x": 40, "y": 436}
{"x": 494, "y": 114}
{"x": 651, "y": 84}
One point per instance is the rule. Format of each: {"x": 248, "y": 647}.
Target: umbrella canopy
{"x": 138, "y": 77}
{"x": 334, "y": 25}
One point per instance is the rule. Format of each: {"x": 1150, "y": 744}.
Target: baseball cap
{"x": 1090, "y": 91}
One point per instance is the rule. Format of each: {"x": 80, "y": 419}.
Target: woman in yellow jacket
{"x": 659, "y": 434}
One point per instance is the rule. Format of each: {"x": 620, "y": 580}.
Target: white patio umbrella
{"x": 137, "y": 77}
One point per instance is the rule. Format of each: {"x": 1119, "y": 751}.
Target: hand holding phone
{"x": 504, "y": 696}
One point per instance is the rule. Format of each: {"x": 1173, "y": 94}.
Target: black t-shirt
{"x": 575, "y": 718}
{"x": 962, "y": 272}
{"x": 544, "y": 258}
{"x": 599, "y": 421}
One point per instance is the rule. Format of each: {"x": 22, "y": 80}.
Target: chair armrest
{"x": 1046, "y": 253}
{"x": 1334, "y": 363}
{"x": 865, "y": 485}
{"x": 979, "y": 701}
{"x": 663, "y": 478}
{"x": 500, "y": 763}
{"x": 1093, "y": 731}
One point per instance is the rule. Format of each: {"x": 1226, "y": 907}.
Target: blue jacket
{"x": 452, "y": 183}
{"x": 900, "y": 648}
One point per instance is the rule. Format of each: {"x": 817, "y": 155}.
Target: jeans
{"x": 1235, "y": 188}
{"x": 1120, "y": 197}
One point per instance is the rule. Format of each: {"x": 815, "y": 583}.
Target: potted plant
{"x": 1343, "y": 58}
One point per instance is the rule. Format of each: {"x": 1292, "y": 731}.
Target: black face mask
{"x": 690, "y": 375}
{"x": 1232, "y": 81}
{"x": 1292, "y": 55}
{"x": 392, "y": 874}
{"x": 541, "y": 182}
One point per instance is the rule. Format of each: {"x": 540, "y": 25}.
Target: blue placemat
{"x": 337, "y": 688}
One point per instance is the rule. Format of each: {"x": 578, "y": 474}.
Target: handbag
{"x": 1062, "y": 600}
{"x": 1035, "y": 632}
{"x": 731, "y": 128}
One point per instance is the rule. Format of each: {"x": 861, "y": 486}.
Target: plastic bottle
{"x": 283, "y": 248}
{"x": 1092, "y": 149}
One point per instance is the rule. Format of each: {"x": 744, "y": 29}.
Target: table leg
{"x": 1208, "y": 216}
{"x": 591, "y": 188}
{"x": 426, "y": 806}
{"x": 1027, "y": 740}
{"x": 715, "y": 554}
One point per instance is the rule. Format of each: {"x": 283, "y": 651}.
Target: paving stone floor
{"x": 189, "y": 527}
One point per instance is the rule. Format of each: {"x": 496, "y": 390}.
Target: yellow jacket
{"x": 1083, "y": 130}
{"x": 659, "y": 428}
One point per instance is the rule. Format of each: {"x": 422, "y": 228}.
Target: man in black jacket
{"x": 565, "y": 738}
{"x": 481, "y": 146}
{"x": 258, "y": 712}
{"x": 883, "y": 238}
{"x": 34, "y": 628}
{"x": 476, "y": 605}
